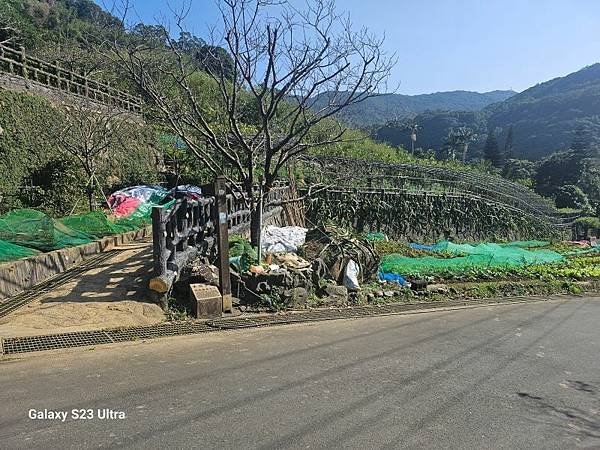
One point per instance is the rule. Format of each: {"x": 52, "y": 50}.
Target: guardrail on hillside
{"x": 15, "y": 61}
{"x": 188, "y": 228}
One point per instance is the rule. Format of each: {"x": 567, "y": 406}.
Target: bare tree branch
{"x": 292, "y": 70}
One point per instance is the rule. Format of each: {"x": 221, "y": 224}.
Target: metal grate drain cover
{"x": 86, "y": 338}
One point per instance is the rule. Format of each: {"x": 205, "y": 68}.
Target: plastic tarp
{"x": 190, "y": 191}
{"x": 376, "y": 237}
{"x": 481, "y": 256}
{"x": 126, "y": 206}
{"x": 351, "y": 274}
{"x": 282, "y": 239}
{"x": 125, "y": 201}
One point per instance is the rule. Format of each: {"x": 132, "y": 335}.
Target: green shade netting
{"x": 584, "y": 252}
{"x": 10, "y": 252}
{"x": 34, "y": 229}
{"x": 376, "y": 237}
{"x": 95, "y": 223}
{"x": 23, "y": 231}
{"x": 479, "y": 256}
{"x": 527, "y": 244}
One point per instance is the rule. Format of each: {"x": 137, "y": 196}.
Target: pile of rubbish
{"x": 347, "y": 260}
{"x": 136, "y": 200}
{"x": 327, "y": 261}
{"x": 26, "y": 232}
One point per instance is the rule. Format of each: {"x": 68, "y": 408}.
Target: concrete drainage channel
{"x": 28, "y": 344}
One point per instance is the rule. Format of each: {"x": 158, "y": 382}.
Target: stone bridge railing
{"x": 15, "y": 62}
{"x": 188, "y": 228}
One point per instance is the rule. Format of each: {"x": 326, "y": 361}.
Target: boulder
{"x": 437, "y": 289}
{"x": 334, "y": 294}
{"x": 295, "y": 297}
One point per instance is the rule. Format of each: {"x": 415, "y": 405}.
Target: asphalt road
{"x": 518, "y": 376}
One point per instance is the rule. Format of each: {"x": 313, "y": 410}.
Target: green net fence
{"x": 95, "y": 223}
{"x": 467, "y": 257}
{"x": 10, "y": 252}
{"x": 34, "y": 229}
{"x": 527, "y": 244}
{"x": 26, "y": 232}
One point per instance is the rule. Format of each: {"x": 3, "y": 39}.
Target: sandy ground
{"x": 110, "y": 295}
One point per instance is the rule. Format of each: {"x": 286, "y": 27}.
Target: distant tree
{"x": 90, "y": 135}
{"x": 491, "y": 151}
{"x": 509, "y": 151}
{"x": 571, "y": 196}
{"x": 520, "y": 171}
{"x": 153, "y": 36}
{"x": 558, "y": 169}
{"x": 458, "y": 140}
{"x": 210, "y": 58}
{"x": 8, "y": 32}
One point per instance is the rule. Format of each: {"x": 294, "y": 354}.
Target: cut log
{"x": 163, "y": 283}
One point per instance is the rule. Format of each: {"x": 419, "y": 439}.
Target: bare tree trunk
{"x": 255, "y": 226}
{"x": 256, "y": 221}
{"x": 91, "y": 197}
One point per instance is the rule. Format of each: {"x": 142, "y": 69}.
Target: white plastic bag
{"x": 282, "y": 239}
{"x": 351, "y": 275}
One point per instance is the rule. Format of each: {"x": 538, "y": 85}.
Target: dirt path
{"x": 109, "y": 295}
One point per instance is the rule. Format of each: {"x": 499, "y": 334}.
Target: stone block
{"x": 206, "y": 301}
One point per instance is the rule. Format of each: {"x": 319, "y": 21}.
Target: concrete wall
{"x": 17, "y": 276}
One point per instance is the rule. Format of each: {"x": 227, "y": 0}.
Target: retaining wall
{"x": 17, "y": 276}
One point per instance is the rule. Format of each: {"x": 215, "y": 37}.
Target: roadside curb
{"x": 28, "y": 344}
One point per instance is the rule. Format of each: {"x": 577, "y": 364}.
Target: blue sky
{"x": 443, "y": 45}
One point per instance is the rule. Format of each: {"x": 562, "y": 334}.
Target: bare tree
{"x": 293, "y": 71}
{"x": 84, "y": 58}
{"x": 89, "y": 134}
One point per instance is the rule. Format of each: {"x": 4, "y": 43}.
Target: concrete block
{"x": 206, "y": 300}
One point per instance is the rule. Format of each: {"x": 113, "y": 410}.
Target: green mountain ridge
{"x": 544, "y": 118}
{"x": 387, "y": 107}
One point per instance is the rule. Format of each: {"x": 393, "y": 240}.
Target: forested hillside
{"x": 387, "y": 107}
{"x": 544, "y": 118}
